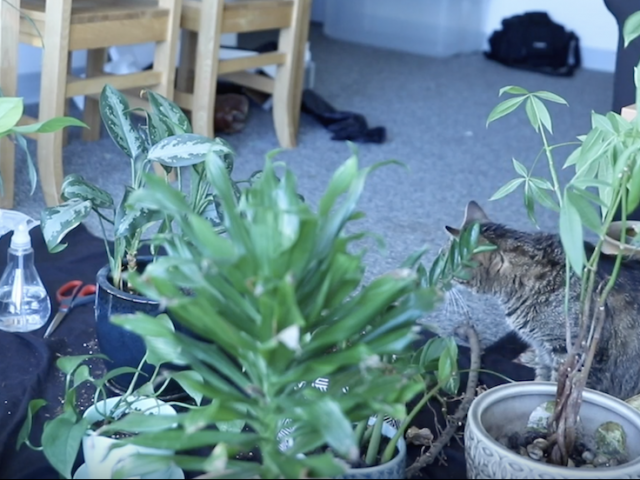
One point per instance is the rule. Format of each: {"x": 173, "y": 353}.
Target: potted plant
{"x": 165, "y": 139}
{"x": 279, "y": 303}
{"x": 570, "y": 416}
{"x": 433, "y": 367}
{"x": 11, "y": 111}
{"x": 98, "y": 429}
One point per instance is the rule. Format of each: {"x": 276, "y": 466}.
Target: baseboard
{"x": 598, "y": 59}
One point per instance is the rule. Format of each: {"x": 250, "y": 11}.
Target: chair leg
{"x": 95, "y": 67}
{"x": 206, "y": 77}
{"x": 187, "y": 65}
{"x": 287, "y": 93}
{"x": 9, "y": 40}
{"x": 53, "y": 96}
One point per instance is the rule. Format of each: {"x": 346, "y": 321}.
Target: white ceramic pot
{"x": 99, "y": 461}
{"x": 506, "y": 409}
{"x": 612, "y": 245}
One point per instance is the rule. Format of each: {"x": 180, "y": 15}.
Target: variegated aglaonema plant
{"x": 165, "y": 139}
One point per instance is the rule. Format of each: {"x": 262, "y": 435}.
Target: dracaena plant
{"x": 275, "y": 304}
{"x": 606, "y": 160}
{"x": 11, "y": 111}
{"x": 165, "y": 139}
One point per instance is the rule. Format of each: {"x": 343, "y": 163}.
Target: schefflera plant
{"x": 277, "y": 303}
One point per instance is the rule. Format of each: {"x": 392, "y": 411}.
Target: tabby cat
{"x": 526, "y": 272}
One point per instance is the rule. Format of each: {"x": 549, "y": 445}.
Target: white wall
{"x": 589, "y": 19}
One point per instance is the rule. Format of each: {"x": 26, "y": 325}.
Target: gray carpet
{"x": 435, "y": 112}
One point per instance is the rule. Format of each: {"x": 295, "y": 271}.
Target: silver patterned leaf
{"x": 57, "y": 221}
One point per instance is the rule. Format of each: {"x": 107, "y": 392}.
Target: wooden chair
{"x": 61, "y": 27}
{"x": 204, "y": 21}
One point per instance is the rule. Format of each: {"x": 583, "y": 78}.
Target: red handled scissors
{"x": 72, "y": 294}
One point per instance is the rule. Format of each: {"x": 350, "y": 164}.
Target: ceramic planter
{"x": 506, "y": 409}
{"x": 122, "y": 347}
{"x": 99, "y": 461}
{"x": 612, "y": 244}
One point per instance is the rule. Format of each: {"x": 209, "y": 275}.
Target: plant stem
{"x": 360, "y": 429}
{"x": 472, "y": 383}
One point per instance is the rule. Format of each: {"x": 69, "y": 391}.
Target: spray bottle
{"x": 24, "y": 303}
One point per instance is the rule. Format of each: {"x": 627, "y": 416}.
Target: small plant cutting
{"x": 11, "y": 111}
{"x": 99, "y": 427}
{"x": 434, "y": 367}
{"x": 606, "y": 181}
{"x": 165, "y": 139}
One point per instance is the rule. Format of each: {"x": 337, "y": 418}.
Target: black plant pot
{"x": 122, "y": 347}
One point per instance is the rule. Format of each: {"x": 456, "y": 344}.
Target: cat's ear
{"x": 454, "y": 232}
{"x": 474, "y": 214}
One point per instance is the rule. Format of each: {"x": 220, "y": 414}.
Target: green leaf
{"x": 323, "y": 465}
{"x": 50, "y": 126}
{"x": 543, "y": 197}
{"x": 33, "y": 407}
{"x": 56, "y": 222}
{"x": 185, "y": 379}
{"x": 11, "y": 109}
{"x": 631, "y": 28}
{"x": 571, "y": 233}
{"x": 541, "y": 183}
{"x": 325, "y": 415}
{"x": 573, "y": 157}
{"x": 633, "y": 198}
{"x": 231, "y": 426}
{"x": 159, "y": 127}
{"x": 503, "y": 108}
{"x": 188, "y": 149}
{"x": 183, "y": 440}
{"x": 586, "y": 182}
{"x": 601, "y": 122}
{"x": 507, "y": 188}
{"x": 136, "y": 219}
{"x": 529, "y": 203}
{"x": 552, "y": 97}
{"x": 588, "y": 214}
{"x": 137, "y": 421}
{"x": 532, "y": 113}
{"x": 542, "y": 113}
{"x": 158, "y": 335}
{"x": 69, "y": 364}
{"x": 431, "y": 353}
{"x": 114, "y": 110}
{"x": 61, "y": 440}
{"x": 520, "y": 168}
{"x": 75, "y": 186}
{"x": 513, "y": 90}
{"x": 81, "y": 375}
{"x": 166, "y": 109}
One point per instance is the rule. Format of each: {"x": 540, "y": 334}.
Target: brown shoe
{"x": 231, "y": 112}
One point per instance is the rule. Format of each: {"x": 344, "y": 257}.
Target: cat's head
{"x": 517, "y": 259}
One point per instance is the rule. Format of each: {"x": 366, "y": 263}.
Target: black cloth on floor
{"x": 28, "y": 366}
{"x": 28, "y": 369}
{"x": 344, "y": 125}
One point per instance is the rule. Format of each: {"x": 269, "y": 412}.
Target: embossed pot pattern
{"x": 505, "y": 409}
